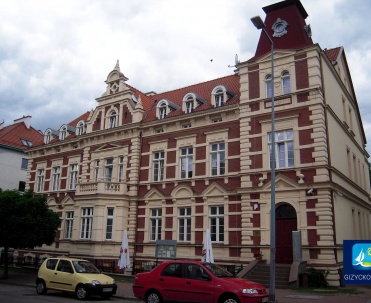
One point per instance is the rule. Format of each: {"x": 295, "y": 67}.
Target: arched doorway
{"x": 285, "y": 224}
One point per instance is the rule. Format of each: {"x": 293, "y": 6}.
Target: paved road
{"x": 17, "y": 293}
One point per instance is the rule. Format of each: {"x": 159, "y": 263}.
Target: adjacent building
{"x": 167, "y": 166}
{"x": 14, "y": 139}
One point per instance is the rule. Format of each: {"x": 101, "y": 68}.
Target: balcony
{"x": 101, "y": 187}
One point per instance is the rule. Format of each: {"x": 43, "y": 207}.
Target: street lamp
{"x": 259, "y": 24}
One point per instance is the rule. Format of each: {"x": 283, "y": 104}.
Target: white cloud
{"x": 56, "y": 55}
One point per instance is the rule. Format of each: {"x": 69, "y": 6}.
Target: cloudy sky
{"x": 55, "y": 55}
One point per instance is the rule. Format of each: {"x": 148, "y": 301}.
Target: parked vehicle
{"x": 190, "y": 281}
{"x": 74, "y": 275}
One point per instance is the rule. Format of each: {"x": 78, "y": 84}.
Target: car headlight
{"x": 249, "y": 291}
{"x": 95, "y": 282}
{"x": 113, "y": 281}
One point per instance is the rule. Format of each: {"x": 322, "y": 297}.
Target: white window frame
{"x": 186, "y": 162}
{"x": 108, "y": 170}
{"x": 184, "y": 224}
{"x": 40, "y": 180}
{"x": 63, "y": 133}
{"x": 86, "y": 222}
{"x": 217, "y": 159}
{"x": 96, "y": 170}
{"x": 56, "y": 177}
{"x": 158, "y": 166}
{"x": 155, "y": 224}
{"x": 24, "y": 164}
{"x": 109, "y": 223}
{"x": 284, "y": 149}
{"x": 80, "y": 128}
{"x": 217, "y": 223}
{"x": 112, "y": 119}
{"x": 68, "y": 225}
{"x": 47, "y": 136}
{"x": 285, "y": 79}
{"x": 268, "y": 86}
{"x": 120, "y": 175}
{"x": 162, "y": 109}
{"x": 74, "y": 168}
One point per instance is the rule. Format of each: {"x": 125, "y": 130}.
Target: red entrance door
{"x": 285, "y": 225}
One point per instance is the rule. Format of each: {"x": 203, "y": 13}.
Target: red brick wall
{"x": 301, "y": 71}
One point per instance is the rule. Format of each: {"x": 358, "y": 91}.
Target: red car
{"x": 195, "y": 282}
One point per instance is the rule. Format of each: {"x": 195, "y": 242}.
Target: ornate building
{"x": 167, "y": 166}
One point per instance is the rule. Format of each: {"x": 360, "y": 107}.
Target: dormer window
{"x": 80, "y": 128}
{"x": 112, "y": 119}
{"x": 162, "y": 110}
{"x": 63, "y": 132}
{"x": 285, "y": 77}
{"x": 269, "y": 86}
{"x": 219, "y": 96}
{"x": 189, "y": 104}
{"x": 49, "y": 135}
{"x": 164, "y": 107}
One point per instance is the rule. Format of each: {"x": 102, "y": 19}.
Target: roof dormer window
{"x": 164, "y": 107}
{"x": 47, "y": 136}
{"x": 80, "y": 127}
{"x": 162, "y": 110}
{"x": 189, "y": 104}
{"x": 63, "y": 132}
{"x": 219, "y": 96}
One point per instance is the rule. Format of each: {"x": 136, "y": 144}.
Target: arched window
{"x": 189, "y": 104}
{"x": 47, "y": 136}
{"x": 162, "y": 106}
{"x": 112, "y": 119}
{"x": 269, "y": 86}
{"x": 219, "y": 96}
{"x": 63, "y": 132}
{"x": 285, "y": 77}
{"x": 80, "y": 128}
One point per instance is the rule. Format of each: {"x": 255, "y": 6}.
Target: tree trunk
{"x": 5, "y": 256}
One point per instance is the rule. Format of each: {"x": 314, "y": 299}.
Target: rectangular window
{"x": 184, "y": 224}
{"x": 96, "y": 171}
{"x": 155, "y": 224}
{"x": 217, "y": 156}
{"x": 284, "y": 148}
{"x": 73, "y": 176}
{"x": 109, "y": 225}
{"x": 186, "y": 163}
{"x": 121, "y": 169}
{"x": 22, "y": 186}
{"x": 158, "y": 166}
{"x": 108, "y": 170}
{"x": 86, "y": 222}
{"x": 40, "y": 180}
{"x": 56, "y": 176}
{"x": 217, "y": 223}
{"x": 24, "y": 164}
{"x": 189, "y": 106}
{"x": 68, "y": 225}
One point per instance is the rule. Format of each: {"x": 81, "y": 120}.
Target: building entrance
{"x": 286, "y": 223}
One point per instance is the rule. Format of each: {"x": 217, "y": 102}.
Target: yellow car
{"x": 74, "y": 275}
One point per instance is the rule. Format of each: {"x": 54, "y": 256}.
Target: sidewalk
{"x": 124, "y": 291}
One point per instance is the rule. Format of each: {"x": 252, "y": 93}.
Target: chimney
{"x": 25, "y": 119}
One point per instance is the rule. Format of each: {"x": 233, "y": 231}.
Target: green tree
{"x": 25, "y": 222}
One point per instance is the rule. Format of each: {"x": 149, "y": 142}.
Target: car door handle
{"x": 188, "y": 282}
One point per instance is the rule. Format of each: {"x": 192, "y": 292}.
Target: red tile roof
{"x": 333, "y": 53}
{"x": 11, "y": 135}
{"x": 203, "y": 90}
{"x": 83, "y": 117}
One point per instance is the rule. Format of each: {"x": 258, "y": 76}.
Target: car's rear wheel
{"x": 229, "y": 299}
{"x": 153, "y": 297}
{"x": 41, "y": 287}
{"x": 81, "y": 292}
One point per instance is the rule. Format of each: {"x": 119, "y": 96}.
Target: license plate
{"x": 265, "y": 299}
{"x": 107, "y": 289}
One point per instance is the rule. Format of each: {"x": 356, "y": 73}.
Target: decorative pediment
{"x": 282, "y": 183}
{"x": 154, "y": 194}
{"x": 68, "y": 201}
{"x": 214, "y": 189}
{"x": 104, "y": 147}
{"x": 51, "y": 202}
{"x": 182, "y": 191}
